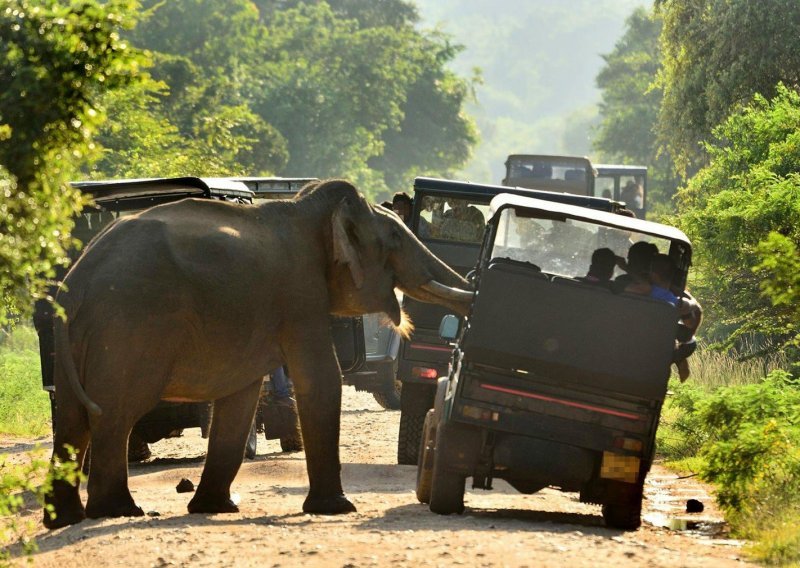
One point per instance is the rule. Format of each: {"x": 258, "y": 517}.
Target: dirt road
{"x": 499, "y": 528}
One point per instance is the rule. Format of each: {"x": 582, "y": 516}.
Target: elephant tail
{"x": 68, "y": 364}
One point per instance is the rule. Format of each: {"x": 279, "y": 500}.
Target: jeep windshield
{"x": 560, "y": 239}
{"x": 452, "y": 219}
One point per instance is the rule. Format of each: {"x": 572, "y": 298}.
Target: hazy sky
{"x": 539, "y": 60}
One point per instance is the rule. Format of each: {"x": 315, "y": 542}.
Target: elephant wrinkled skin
{"x": 195, "y": 300}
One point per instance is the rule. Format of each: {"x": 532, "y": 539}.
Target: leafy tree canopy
{"x": 343, "y": 88}
{"x": 56, "y": 60}
{"x": 717, "y": 54}
{"x": 743, "y": 211}
{"x": 630, "y": 104}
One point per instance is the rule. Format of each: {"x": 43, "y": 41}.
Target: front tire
{"x": 427, "y": 451}
{"x": 447, "y": 487}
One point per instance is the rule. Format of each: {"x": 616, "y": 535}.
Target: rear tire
{"x": 624, "y": 516}
{"x": 447, "y": 488}
{"x": 416, "y": 400}
{"x": 252, "y": 442}
{"x": 427, "y": 452}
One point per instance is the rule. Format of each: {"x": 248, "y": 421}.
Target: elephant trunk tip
{"x": 403, "y": 326}
{"x": 406, "y": 326}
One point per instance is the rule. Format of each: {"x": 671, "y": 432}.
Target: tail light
{"x": 424, "y": 372}
{"x": 630, "y": 444}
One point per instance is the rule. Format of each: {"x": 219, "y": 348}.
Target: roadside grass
{"x": 24, "y": 411}
{"x": 24, "y": 406}
{"x": 737, "y": 425}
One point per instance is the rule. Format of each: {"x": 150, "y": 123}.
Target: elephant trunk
{"x": 435, "y": 292}
{"x": 426, "y": 278}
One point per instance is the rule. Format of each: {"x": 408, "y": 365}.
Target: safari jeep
{"x": 424, "y": 357}
{"x": 552, "y": 381}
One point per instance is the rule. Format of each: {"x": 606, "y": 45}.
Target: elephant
{"x": 194, "y": 300}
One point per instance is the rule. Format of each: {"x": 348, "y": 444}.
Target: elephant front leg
{"x": 230, "y": 426}
{"x": 318, "y": 387}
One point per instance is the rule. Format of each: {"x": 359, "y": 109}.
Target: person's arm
{"x": 689, "y": 310}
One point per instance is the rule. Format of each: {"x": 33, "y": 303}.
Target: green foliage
{"x": 359, "y": 101}
{"x": 24, "y": 406}
{"x": 347, "y": 89}
{"x": 56, "y": 59}
{"x": 749, "y": 190}
{"x": 19, "y": 482}
{"x": 717, "y": 54}
{"x": 745, "y": 439}
{"x": 780, "y": 266}
{"x": 630, "y": 105}
{"x": 678, "y": 436}
{"x": 755, "y": 441}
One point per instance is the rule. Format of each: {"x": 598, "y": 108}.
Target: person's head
{"x": 633, "y": 195}
{"x": 603, "y": 262}
{"x": 640, "y": 255}
{"x": 607, "y": 193}
{"x": 457, "y": 205}
{"x": 387, "y": 205}
{"x": 662, "y": 270}
{"x": 401, "y": 204}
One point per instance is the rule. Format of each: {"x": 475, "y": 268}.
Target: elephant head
{"x": 372, "y": 253}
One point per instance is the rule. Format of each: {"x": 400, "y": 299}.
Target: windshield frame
{"x": 680, "y": 246}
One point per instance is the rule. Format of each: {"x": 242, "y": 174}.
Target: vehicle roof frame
{"x": 505, "y": 200}
{"x": 131, "y": 189}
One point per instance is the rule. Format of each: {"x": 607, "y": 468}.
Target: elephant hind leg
{"x": 108, "y": 491}
{"x": 71, "y": 430}
{"x": 233, "y": 417}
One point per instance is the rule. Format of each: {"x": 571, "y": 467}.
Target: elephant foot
{"x": 63, "y": 516}
{"x": 65, "y": 504}
{"x": 94, "y": 511}
{"x": 337, "y": 505}
{"x": 211, "y": 505}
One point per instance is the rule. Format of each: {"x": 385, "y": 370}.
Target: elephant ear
{"x": 345, "y": 240}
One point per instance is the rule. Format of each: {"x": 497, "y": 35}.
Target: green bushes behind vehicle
{"x": 743, "y": 435}
{"x": 24, "y": 406}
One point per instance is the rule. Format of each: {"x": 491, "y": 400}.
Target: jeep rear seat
{"x": 568, "y": 331}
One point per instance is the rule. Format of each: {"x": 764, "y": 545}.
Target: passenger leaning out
{"x": 690, "y": 314}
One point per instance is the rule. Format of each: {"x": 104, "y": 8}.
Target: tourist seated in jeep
{"x": 461, "y": 222}
{"x": 604, "y": 261}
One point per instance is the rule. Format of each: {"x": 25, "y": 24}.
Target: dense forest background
{"x": 379, "y": 91}
{"x": 539, "y": 62}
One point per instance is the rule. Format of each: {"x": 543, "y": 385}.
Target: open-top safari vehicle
{"x": 424, "y": 357}
{"x": 553, "y": 381}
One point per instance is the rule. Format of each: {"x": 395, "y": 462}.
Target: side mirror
{"x": 448, "y": 329}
